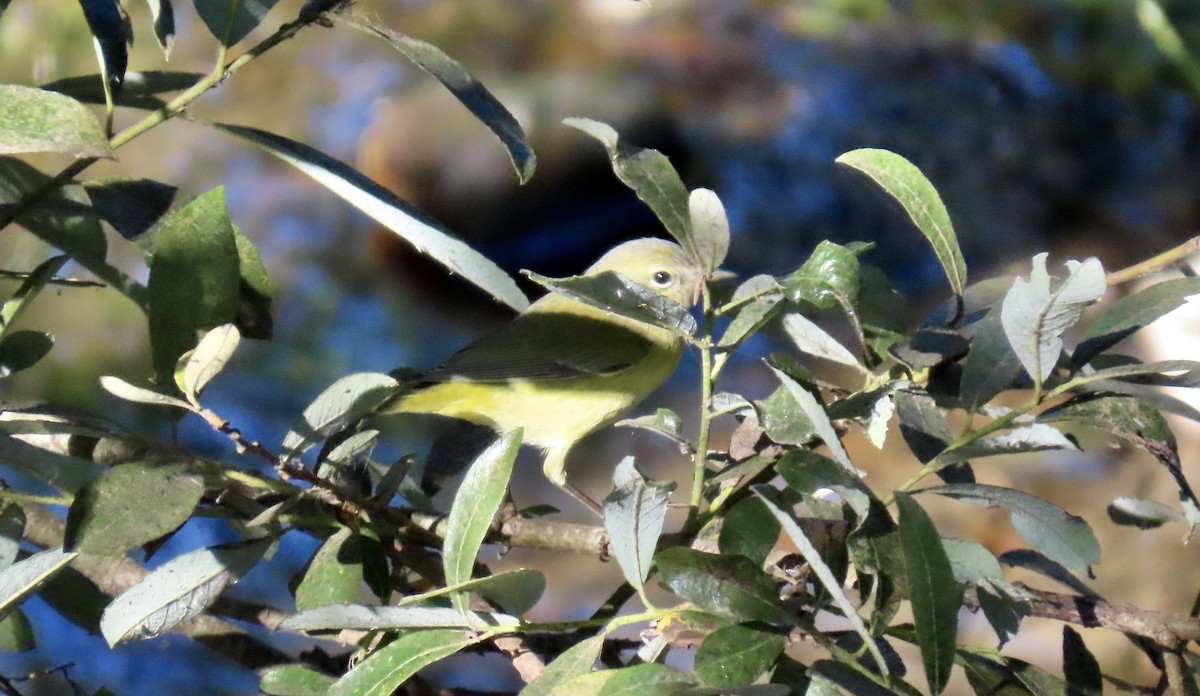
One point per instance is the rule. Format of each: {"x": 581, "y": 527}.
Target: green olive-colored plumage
{"x": 561, "y": 369}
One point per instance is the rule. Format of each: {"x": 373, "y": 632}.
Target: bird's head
{"x": 658, "y": 264}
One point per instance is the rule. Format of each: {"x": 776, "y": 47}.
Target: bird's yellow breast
{"x": 553, "y": 413}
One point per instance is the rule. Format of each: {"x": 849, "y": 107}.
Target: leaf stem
{"x": 1174, "y": 255}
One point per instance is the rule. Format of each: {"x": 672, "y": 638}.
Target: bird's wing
{"x": 546, "y": 346}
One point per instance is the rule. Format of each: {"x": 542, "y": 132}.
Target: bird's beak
{"x": 721, "y": 275}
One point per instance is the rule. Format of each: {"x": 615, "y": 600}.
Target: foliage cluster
{"x": 783, "y": 531}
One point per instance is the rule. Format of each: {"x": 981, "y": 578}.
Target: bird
{"x": 563, "y": 369}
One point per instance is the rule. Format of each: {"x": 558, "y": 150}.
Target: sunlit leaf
{"x": 131, "y": 505}
{"x": 361, "y": 617}
{"x": 934, "y": 592}
{"x": 138, "y": 91}
{"x": 634, "y": 513}
{"x": 737, "y": 654}
{"x": 24, "y": 577}
{"x": 817, "y": 417}
{"x": 335, "y": 574}
{"x": 615, "y": 293}
{"x": 728, "y": 585}
{"x": 294, "y": 680}
{"x": 577, "y": 660}
{"x": 1130, "y": 314}
{"x": 392, "y": 665}
{"x": 345, "y": 401}
{"x": 750, "y": 529}
{"x": 209, "y": 357}
{"x": 710, "y": 228}
{"x": 143, "y": 395}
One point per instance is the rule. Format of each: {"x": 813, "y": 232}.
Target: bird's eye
{"x": 661, "y": 278}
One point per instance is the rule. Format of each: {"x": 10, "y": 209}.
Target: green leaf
{"x": 737, "y": 654}
{"x": 651, "y": 176}
{"x": 822, "y": 571}
{"x": 815, "y": 477}
{"x": 177, "y": 590}
{"x": 24, "y": 577}
{"x": 971, "y": 562}
{"x": 130, "y": 505}
{"x": 17, "y": 304}
{"x": 929, "y": 347}
{"x": 646, "y": 680}
{"x": 634, "y": 513}
{"x": 231, "y": 20}
{"x": 343, "y": 402}
{"x": 516, "y": 591}
{"x": 615, "y": 293}
{"x": 389, "y": 210}
{"x": 991, "y": 365}
{"x": 935, "y": 594}
{"x": 465, "y": 87}
{"x": 817, "y": 417}
{"x": 64, "y": 472}
{"x": 727, "y": 585}
{"x": 814, "y": 340}
{"x": 783, "y": 419}
{"x": 294, "y": 680}
{"x": 1153, "y": 369}
{"x": 76, "y": 597}
{"x": 1037, "y": 312}
{"x": 131, "y": 206}
{"x": 577, "y": 660}
{"x": 1141, "y": 513}
{"x": 1003, "y": 612}
{"x": 828, "y": 675}
{"x": 163, "y": 15}
{"x": 1080, "y": 668}
{"x": 111, "y": 33}
{"x": 335, "y": 574}
{"x": 750, "y": 318}
{"x": 194, "y": 279}
{"x": 16, "y": 633}
{"x": 829, "y": 278}
{"x": 209, "y": 358}
{"x": 922, "y": 424}
{"x": 1038, "y": 437}
{"x": 254, "y": 294}
{"x": 360, "y": 617}
{"x": 142, "y": 395}
{"x": 388, "y": 668}
{"x": 12, "y": 529}
{"x": 138, "y": 90}
{"x": 905, "y": 183}
{"x": 664, "y": 422}
{"x": 710, "y": 228}
{"x": 750, "y": 529}
{"x": 1063, "y": 537}
{"x": 20, "y": 350}
{"x": 476, "y": 503}
{"x": 1130, "y": 314}
{"x": 39, "y": 121}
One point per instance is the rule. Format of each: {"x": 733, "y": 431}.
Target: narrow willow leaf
{"x": 736, "y": 655}
{"x": 817, "y": 417}
{"x": 664, "y": 422}
{"x": 935, "y": 594}
{"x": 64, "y": 472}
{"x": 710, "y": 228}
{"x": 1039, "y": 563}
{"x": 646, "y": 680}
{"x": 576, "y": 661}
{"x": 615, "y": 293}
{"x": 176, "y": 591}
{"x": 24, "y": 577}
{"x": 16, "y": 633}
{"x": 634, "y": 514}
{"x": 163, "y": 15}
{"x": 231, "y": 20}
{"x": 110, "y": 34}
{"x": 388, "y": 668}
{"x": 1063, "y": 537}
{"x": 39, "y": 121}
{"x": 12, "y": 529}
{"x": 1080, "y": 667}
{"x": 904, "y": 182}
{"x": 1153, "y": 369}
{"x": 139, "y": 90}
{"x": 1003, "y": 611}
{"x": 208, "y": 358}
{"x": 142, "y": 395}
{"x": 971, "y": 562}
{"x": 194, "y": 277}
{"x": 360, "y": 617}
{"x": 335, "y": 574}
{"x": 294, "y": 680}
{"x": 726, "y": 585}
{"x": 345, "y": 401}
{"x": 750, "y": 529}
{"x": 814, "y": 340}
{"x": 651, "y": 176}
{"x": 1038, "y": 437}
{"x": 476, "y": 503}
{"x": 131, "y": 206}
{"x": 1130, "y": 314}
{"x": 922, "y": 424}
{"x": 515, "y": 591}
{"x": 465, "y": 87}
{"x": 30, "y": 287}
{"x": 991, "y": 365}
{"x": 823, "y": 573}
{"x": 1037, "y": 312}
{"x": 750, "y": 318}
{"x": 130, "y": 505}
{"x": 389, "y": 210}
{"x": 1142, "y": 513}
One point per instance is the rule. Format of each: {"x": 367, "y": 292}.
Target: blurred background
{"x": 1052, "y": 125}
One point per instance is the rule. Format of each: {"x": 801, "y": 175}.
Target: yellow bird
{"x": 562, "y": 369}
